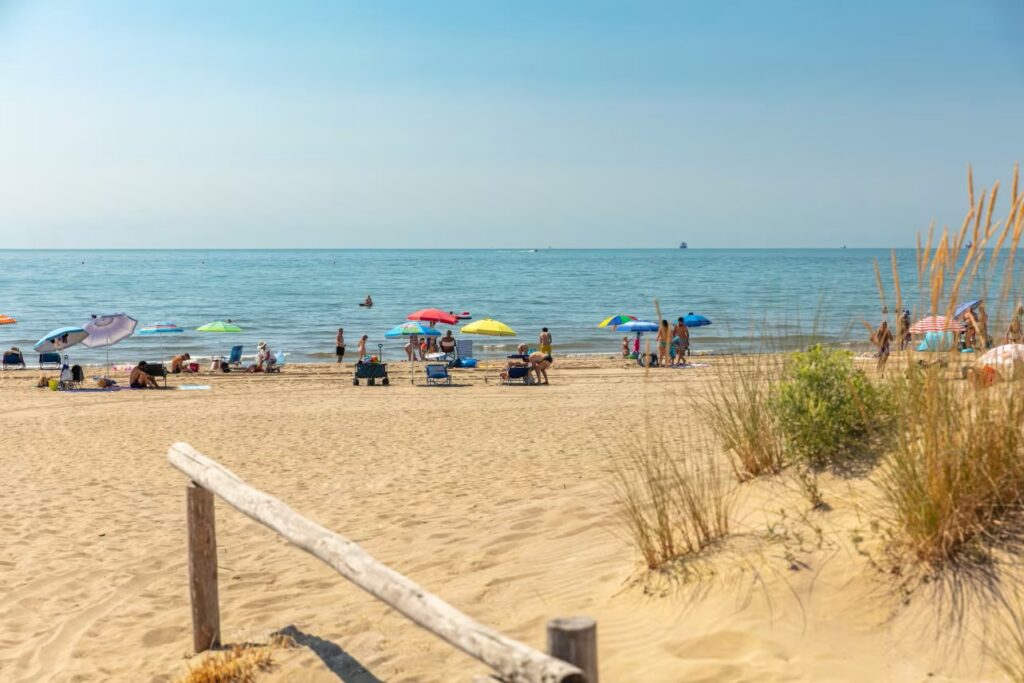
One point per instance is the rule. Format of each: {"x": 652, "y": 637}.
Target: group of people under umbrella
{"x": 673, "y": 342}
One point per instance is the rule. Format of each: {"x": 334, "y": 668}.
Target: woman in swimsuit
{"x": 664, "y": 337}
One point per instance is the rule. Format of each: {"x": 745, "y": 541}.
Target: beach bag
{"x": 224, "y": 366}
{"x": 76, "y": 373}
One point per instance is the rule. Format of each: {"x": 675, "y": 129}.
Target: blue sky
{"x": 481, "y": 124}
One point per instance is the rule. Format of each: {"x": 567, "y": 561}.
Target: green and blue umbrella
{"x": 219, "y": 326}
{"x": 614, "y": 321}
{"x": 408, "y": 329}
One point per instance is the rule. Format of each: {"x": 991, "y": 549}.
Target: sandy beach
{"x": 498, "y": 499}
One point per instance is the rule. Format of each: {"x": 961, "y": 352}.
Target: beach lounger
{"x": 517, "y": 374}
{"x": 13, "y": 360}
{"x": 49, "y": 361}
{"x": 438, "y": 374}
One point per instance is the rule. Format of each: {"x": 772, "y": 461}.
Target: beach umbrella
{"x": 1006, "y": 355}
{"x": 489, "y": 327}
{"x": 614, "y": 321}
{"x": 7, "y": 320}
{"x": 433, "y": 315}
{"x": 219, "y": 326}
{"x": 60, "y": 339}
{"x": 966, "y": 306}
{"x": 106, "y": 330}
{"x": 159, "y": 330}
{"x": 691, "y": 319}
{"x": 409, "y": 329}
{"x": 638, "y": 326}
{"x": 936, "y": 323}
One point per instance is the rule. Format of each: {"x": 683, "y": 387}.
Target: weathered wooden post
{"x": 202, "y": 569}
{"x": 574, "y": 640}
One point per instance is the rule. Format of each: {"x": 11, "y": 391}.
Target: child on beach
{"x": 361, "y": 348}
{"x": 625, "y": 347}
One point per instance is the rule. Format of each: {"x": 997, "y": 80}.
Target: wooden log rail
{"x": 569, "y": 640}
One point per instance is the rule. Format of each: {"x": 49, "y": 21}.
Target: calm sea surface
{"x": 296, "y": 300}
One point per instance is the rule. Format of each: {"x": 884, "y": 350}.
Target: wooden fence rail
{"x": 571, "y": 639}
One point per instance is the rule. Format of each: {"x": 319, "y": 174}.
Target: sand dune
{"x": 498, "y": 499}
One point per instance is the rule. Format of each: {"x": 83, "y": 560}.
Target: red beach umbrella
{"x": 936, "y": 323}
{"x": 433, "y": 315}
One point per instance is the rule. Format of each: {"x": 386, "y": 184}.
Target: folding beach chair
{"x": 236, "y": 355}
{"x": 517, "y": 374}
{"x": 13, "y": 360}
{"x": 49, "y": 361}
{"x": 438, "y": 374}
{"x": 463, "y": 350}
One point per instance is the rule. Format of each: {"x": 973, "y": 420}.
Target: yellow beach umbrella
{"x": 488, "y": 327}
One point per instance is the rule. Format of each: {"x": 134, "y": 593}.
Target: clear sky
{"x": 480, "y": 124}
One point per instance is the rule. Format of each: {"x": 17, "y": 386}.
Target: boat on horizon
{"x": 682, "y": 245}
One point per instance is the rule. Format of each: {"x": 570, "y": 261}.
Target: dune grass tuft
{"x": 237, "y": 664}
{"x": 674, "y": 500}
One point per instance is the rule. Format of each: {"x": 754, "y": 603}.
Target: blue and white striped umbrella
{"x": 154, "y": 329}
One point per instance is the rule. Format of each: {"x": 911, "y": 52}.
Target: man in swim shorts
{"x": 545, "y": 342}
{"x": 339, "y": 344}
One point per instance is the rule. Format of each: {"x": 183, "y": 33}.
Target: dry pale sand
{"x": 498, "y": 499}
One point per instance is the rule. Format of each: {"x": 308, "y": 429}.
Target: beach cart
{"x": 372, "y": 370}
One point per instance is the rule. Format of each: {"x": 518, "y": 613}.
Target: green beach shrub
{"x": 829, "y": 412}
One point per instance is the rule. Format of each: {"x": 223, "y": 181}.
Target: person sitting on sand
{"x": 178, "y": 363}
{"x": 431, "y": 345}
{"x": 264, "y": 358}
{"x": 140, "y": 379}
{"x": 361, "y": 348}
{"x": 447, "y": 343}
{"x": 540, "y": 362}
{"x": 625, "y": 347}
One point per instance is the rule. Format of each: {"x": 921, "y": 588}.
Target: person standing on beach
{"x": 544, "y": 339}
{"x": 681, "y": 341}
{"x": 361, "y": 348}
{"x": 1015, "y": 330}
{"x": 982, "y": 322}
{"x": 339, "y": 344}
{"x": 664, "y": 338}
{"x": 903, "y": 329}
{"x": 412, "y": 347}
{"x": 882, "y": 338}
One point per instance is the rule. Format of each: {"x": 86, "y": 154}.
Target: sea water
{"x": 297, "y": 299}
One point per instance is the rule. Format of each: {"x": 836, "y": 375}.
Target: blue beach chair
{"x": 49, "y": 361}
{"x": 438, "y": 374}
{"x": 517, "y": 374}
{"x": 13, "y": 360}
{"x": 236, "y": 355}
